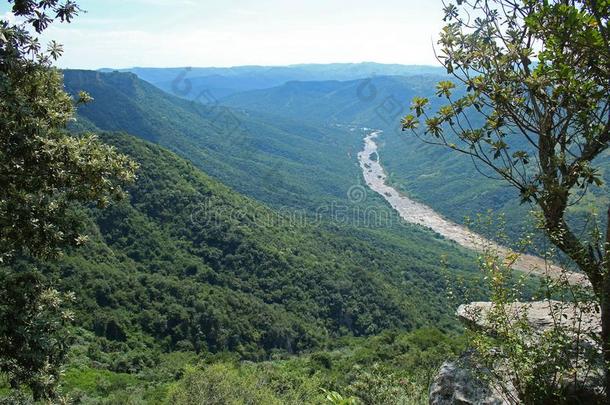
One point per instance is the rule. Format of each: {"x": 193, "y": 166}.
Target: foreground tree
{"x": 44, "y": 172}
{"x": 535, "y": 111}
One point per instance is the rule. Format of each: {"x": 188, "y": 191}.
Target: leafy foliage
{"x": 378, "y": 370}
{"x": 42, "y": 169}
{"x": 530, "y": 363}
{"x": 43, "y": 172}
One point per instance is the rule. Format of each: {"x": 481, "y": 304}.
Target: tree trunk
{"x": 605, "y": 307}
{"x": 605, "y": 315}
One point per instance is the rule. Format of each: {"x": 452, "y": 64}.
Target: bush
{"x": 221, "y": 384}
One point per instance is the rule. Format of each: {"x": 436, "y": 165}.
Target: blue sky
{"x": 127, "y": 33}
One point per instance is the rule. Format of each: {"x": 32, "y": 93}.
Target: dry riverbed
{"x": 417, "y": 213}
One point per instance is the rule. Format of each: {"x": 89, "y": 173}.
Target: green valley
{"x": 224, "y": 203}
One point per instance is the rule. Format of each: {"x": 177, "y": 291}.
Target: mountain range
{"x": 189, "y": 82}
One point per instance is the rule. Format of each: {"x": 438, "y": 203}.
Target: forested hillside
{"x": 432, "y": 175}
{"x": 187, "y": 265}
{"x": 282, "y": 145}
{"x": 308, "y": 280}
{"x": 278, "y": 161}
{"x": 187, "y": 270}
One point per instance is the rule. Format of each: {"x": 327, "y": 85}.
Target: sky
{"x": 168, "y": 33}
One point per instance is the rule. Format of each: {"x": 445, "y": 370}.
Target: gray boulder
{"x": 456, "y": 383}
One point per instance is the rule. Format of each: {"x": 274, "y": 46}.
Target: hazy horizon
{"x": 259, "y": 65}
{"x": 162, "y": 33}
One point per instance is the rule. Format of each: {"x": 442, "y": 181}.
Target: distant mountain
{"x": 222, "y": 82}
{"x": 376, "y": 102}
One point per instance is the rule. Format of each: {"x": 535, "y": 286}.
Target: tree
{"x": 43, "y": 169}
{"x": 44, "y": 172}
{"x": 534, "y": 110}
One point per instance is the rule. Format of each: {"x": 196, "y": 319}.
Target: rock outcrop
{"x": 542, "y": 316}
{"x": 457, "y": 382}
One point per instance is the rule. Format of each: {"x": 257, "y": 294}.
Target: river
{"x": 418, "y": 213}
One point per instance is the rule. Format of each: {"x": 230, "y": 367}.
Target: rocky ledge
{"x": 457, "y": 382}
{"x": 540, "y": 315}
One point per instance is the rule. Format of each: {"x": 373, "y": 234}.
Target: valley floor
{"x": 418, "y": 213}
